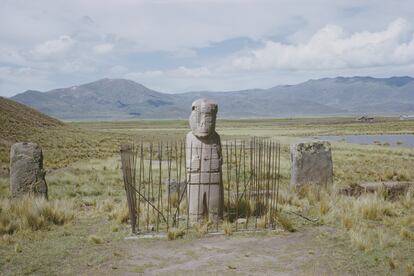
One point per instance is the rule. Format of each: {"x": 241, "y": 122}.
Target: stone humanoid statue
{"x": 203, "y": 164}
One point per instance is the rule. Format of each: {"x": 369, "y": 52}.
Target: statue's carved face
{"x": 203, "y": 118}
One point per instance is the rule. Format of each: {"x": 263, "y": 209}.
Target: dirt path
{"x": 67, "y": 250}
{"x": 300, "y": 253}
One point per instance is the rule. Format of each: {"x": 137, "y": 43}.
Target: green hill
{"x": 62, "y": 144}
{"x": 18, "y": 121}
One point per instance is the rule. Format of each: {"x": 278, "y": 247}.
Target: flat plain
{"x": 82, "y": 228}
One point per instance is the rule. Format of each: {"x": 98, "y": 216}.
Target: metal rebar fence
{"x": 156, "y": 185}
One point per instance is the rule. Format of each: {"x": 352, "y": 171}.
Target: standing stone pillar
{"x": 311, "y": 163}
{"x": 26, "y": 170}
{"x": 203, "y": 164}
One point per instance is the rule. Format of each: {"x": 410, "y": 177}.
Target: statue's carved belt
{"x": 203, "y": 178}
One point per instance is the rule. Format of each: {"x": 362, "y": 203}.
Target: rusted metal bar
{"x": 272, "y": 177}
{"x": 179, "y": 183}
{"x": 169, "y": 163}
{"x": 251, "y": 170}
{"x": 253, "y": 178}
{"x": 139, "y": 184}
{"x": 127, "y": 159}
{"x": 159, "y": 182}
{"x": 278, "y": 177}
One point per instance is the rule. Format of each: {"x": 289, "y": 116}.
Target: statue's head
{"x": 203, "y": 118}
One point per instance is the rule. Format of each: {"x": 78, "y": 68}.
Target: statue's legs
{"x": 205, "y": 201}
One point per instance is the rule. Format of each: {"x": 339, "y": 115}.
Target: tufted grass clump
{"x": 373, "y": 207}
{"x": 347, "y": 222}
{"x": 360, "y": 240}
{"x": 227, "y": 228}
{"x": 241, "y": 207}
{"x": 175, "y": 233}
{"x": 406, "y": 233}
{"x": 117, "y": 212}
{"x": 33, "y": 213}
{"x": 95, "y": 239}
{"x": 284, "y": 221}
{"x": 201, "y": 228}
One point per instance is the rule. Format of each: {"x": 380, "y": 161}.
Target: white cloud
{"x": 53, "y": 48}
{"x": 10, "y": 78}
{"x": 179, "y": 44}
{"x": 118, "y": 70}
{"x": 332, "y": 48}
{"x": 184, "y": 53}
{"x": 11, "y": 56}
{"x": 103, "y": 48}
{"x": 181, "y": 72}
{"x": 76, "y": 66}
{"x": 197, "y": 72}
{"x": 144, "y": 75}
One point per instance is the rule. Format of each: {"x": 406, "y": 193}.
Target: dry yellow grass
{"x": 95, "y": 239}
{"x": 406, "y": 233}
{"x": 227, "y": 228}
{"x": 119, "y": 212}
{"x": 371, "y": 224}
{"x": 175, "y": 233}
{"x": 33, "y": 213}
{"x": 201, "y": 228}
{"x": 284, "y": 221}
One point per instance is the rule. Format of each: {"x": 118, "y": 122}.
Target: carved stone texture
{"x": 203, "y": 164}
{"x": 311, "y": 163}
{"x": 26, "y": 170}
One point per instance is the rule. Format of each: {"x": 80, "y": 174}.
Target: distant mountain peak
{"x": 32, "y": 91}
{"x": 113, "y": 81}
{"x": 400, "y": 81}
{"x": 123, "y": 99}
{"x": 392, "y": 81}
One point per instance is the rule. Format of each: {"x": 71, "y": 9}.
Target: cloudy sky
{"x": 177, "y": 46}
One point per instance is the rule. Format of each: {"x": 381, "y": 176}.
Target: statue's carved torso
{"x": 205, "y": 154}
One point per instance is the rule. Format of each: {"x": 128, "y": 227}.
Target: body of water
{"x": 393, "y": 140}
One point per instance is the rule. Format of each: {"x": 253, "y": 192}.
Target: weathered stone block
{"x": 26, "y": 170}
{"x": 311, "y": 163}
{"x": 392, "y": 190}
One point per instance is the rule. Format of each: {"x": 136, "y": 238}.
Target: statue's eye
{"x": 194, "y": 108}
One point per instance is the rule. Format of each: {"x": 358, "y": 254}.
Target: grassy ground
{"x": 353, "y": 236}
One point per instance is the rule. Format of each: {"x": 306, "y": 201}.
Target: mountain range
{"x": 109, "y": 99}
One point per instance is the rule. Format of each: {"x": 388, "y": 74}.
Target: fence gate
{"x": 155, "y": 180}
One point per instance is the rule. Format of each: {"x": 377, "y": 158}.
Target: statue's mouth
{"x": 203, "y": 133}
